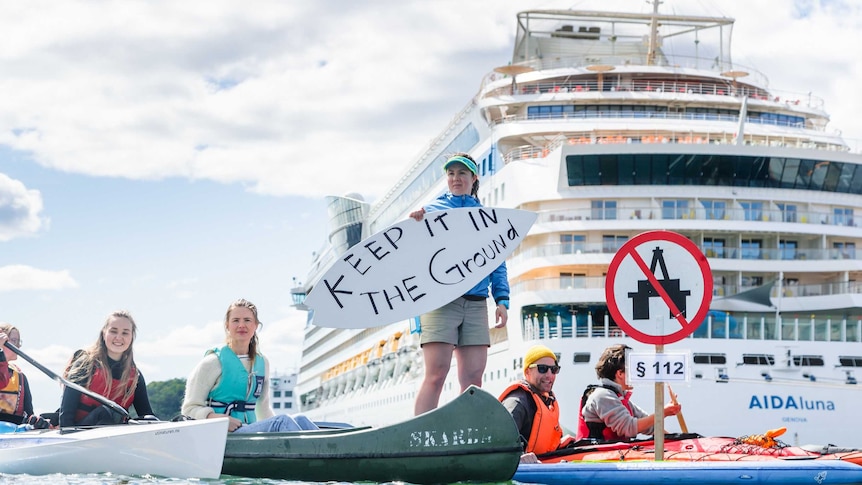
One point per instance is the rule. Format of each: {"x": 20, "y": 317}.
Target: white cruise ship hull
{"x": 606, "y": 136}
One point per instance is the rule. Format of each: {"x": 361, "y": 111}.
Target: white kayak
{"x": 184, "y": 449}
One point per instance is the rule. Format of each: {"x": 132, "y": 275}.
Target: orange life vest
{"x": 99, "y": 385}
{"x": 12, "y": 395}
{"x": 546, "y": 433}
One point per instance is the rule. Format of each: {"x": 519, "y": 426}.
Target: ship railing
{"x": 711, "y": 252}
{"x": 543, "y": 322}
{"x": 661, "y": 88}
{"x": 572, "y": 281}
{"x": 628, "y": 113}
{"x": 701, "y": 210}
{"x": 608, "y": 137}
{"x": 629, "y": 63}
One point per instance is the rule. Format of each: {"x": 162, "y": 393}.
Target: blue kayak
{"x": 826, "y": 472}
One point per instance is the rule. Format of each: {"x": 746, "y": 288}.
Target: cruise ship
{"x": 608, "y": 125}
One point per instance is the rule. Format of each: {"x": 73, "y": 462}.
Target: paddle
{"x": 83, "y": 390}
{"x": 679, "y": 417}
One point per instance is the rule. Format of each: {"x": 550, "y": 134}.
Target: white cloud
{"x": 333, "y": 93}
{"x": 22, "y": 277}
{"x": 20, "y": 209}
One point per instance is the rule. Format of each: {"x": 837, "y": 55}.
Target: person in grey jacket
{"x": 607, "y": 412}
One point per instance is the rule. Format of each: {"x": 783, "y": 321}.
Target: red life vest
{"x": 546, "y": 433}
{"x": 99, "y": 385}
{"x": 600, "y": 430}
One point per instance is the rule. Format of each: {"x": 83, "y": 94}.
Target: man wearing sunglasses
{"x": 606, "y": 412}
{"x": 532, "y": 404}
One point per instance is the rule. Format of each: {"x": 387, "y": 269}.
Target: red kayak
{"x": 694, "y": 447}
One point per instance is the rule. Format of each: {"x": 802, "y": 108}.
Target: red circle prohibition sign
{"x": 630, "y": 265}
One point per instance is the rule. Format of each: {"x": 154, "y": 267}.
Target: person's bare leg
{"x": 471, "y": 364}
{"x": 438, "y": 360}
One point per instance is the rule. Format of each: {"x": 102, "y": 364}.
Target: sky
{"x": 168, "y": 157}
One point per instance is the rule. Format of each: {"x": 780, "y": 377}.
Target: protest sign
{"x": 413, "y": 267}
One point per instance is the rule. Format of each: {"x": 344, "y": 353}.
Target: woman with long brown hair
{"x": 108, "y": 368}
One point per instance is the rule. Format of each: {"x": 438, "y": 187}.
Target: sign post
{"x": 659, "y": 308}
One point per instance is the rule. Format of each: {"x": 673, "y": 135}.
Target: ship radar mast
{"x": 653, "y": 34}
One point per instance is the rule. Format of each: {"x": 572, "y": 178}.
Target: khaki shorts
{"x": 462, "y": 322}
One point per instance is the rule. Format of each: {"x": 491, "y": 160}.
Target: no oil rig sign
{"x": 659, "y": 287}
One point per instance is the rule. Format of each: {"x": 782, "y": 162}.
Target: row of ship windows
{"x": 624, "y": 111}
{"x": 717, "y": 170}
{"x": 713, "y": 209}
{"x": 747, "y": 359}
{"x": 748, "y": 248}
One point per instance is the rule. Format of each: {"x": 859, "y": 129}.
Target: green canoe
{"x": 471, "y": 438}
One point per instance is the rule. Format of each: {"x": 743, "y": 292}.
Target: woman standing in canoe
{"x": 108, "y": 368}
{"x": 461, "y": 326}
{"x": 233, "y": 379}
{"x": 16, "y": 402}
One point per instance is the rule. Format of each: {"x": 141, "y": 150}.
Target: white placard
{"x": 413, "y": 267}
{"x": 643, "y": 367}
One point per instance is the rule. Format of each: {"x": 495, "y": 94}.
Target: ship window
{"x": 850, "y": 361}
{"x": 856, "y": 184}
{"x": 676, "y": 169}
{"x": 572, "y": 280}
{"x": 808, "y": 360}
{"x": 723, "y": 170}
{"x": 572, "y": 243}
{"x": 788, "y": 212}
{"x": 713, "y": 247}
{"x": 674, "y": 209}
{"x": 581, "y": 358}
{"x": 758, "y": 359}
{"x": 843, "y": 216}
{"x": 626, "y": 169}
{"x": 846, "y": 177}
{"x": 751, "y": 248}
{"x": 659, "y": 169}
{"x": 714, "y": 209}
{"x": 592, "y": 170}
{"x": 830, "y": 183}
{"x": 787, "y": 248}
{"x": 719, "y": 359}
{"x": 753, "y": 211}
{"x": 611, "y": 243}
{"x": 609, "y": 169}
{"x": 843, "y": 250}
{"x": 643, "y": 174}
{"x": 603, "y": 209}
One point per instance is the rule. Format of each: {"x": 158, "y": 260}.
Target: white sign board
{"x": 643, "y": 367}
{"x": 413, "y": 267}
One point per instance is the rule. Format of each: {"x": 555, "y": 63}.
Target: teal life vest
{"x": 238, "y": 390}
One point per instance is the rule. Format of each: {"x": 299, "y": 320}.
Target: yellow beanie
{"x": 535, "y": 353}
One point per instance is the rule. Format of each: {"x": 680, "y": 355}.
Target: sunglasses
{"x": 542, "y": 368}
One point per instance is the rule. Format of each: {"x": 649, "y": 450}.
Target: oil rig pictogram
{"x": 640, "y": 298}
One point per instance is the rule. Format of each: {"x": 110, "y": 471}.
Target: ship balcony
{"x": 661, "y": 128}
{"x": 570, "y": 319}
{"x": 581, "y": 252}
{"x": 657, "y": 86}
{"x": 680, "y": 213}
